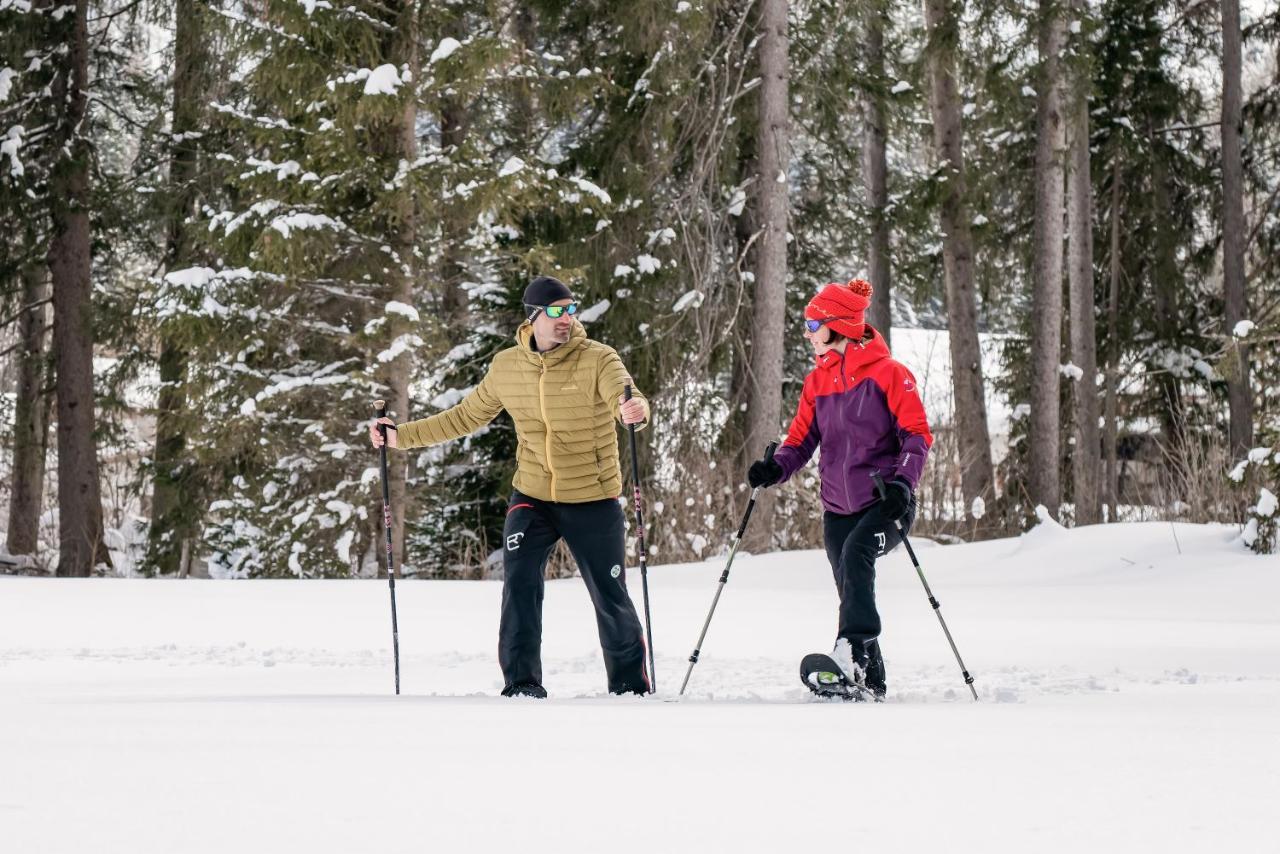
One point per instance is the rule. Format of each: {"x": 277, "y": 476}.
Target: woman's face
{"x": 821, "y": 340}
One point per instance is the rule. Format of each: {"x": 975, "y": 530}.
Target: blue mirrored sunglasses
{"x": 815, "y": 325}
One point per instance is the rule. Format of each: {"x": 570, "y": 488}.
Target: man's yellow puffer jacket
{"x": 564, "y": 403}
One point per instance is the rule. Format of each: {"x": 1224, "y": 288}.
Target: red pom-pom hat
{"x": 843, "y": 305}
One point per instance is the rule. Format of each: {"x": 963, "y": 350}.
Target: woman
{"x": 863, "y": 408}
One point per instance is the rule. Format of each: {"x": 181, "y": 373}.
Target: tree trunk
{"x": 875, "y": 171}
{"x": 972, "y": 438}
{"x": 454, "y": 124}
{"x": 30, "y": 422}
{"x": 1168, "y": 286}
{"x": 174, "y": 510}
{"x": 1239, "y": 396}
{"x": 1113, "y": 350}
{"x": 403, "y": 51}
{"x": 1086, "y": 459}
{"x": 79, "y": 493}
{"x": 764, "y": 417}
{"x": 1046, "y": 298}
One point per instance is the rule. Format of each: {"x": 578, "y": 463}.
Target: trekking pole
{"x": 380, "y": 412}
{"x": 724, "y": 576}
{"x": 937, "y": 608}
{"x": 644, "y": 557}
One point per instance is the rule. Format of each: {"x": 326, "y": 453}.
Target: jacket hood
{"x": 857, "y": 354}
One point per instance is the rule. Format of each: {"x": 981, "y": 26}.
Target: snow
{"x": 383, "y": 80}
{"x": 405, "y": 310}
{"x": 511, "y": 167}
{"x": 691, "y": 299}
{"x": 738, "y": 202}
{"x": 406, "y": 343}
{"x": 590, "y": 189}
{"x": 449, "y": 397}
{"x": 191, "y": 277}
{"x": 303, "y": 222}
{"x": 1267, "y": 503}
{"x": 1129, "y": 695}
{"x": 1242, "y": 329}
{"x": 10, "y": 147}
{"x": 1071, "y": 371}
{"x": 1028, "y": 91}
{"x": 7, "y": 76}
{"x": 595, "y": 312}
{"x": 900, "y": 87}
{"x": 444, "y": 50}
{"x": 1249, "y": 535}
{"x": 647, "y": 264}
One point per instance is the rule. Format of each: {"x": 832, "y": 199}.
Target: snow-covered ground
{"x": 1129, "y": 676}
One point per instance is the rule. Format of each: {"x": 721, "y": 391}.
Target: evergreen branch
{"x": 1180, "y": 128}
{"x": 18, "y": 344}
{"x": 1264, "y": 267}
{"x": 252, "y": 24}
{"x": 351, "y": 12}
{"x": 1262, "y": 217}
{"x": 110, "y": 17}
{"x": 11, "y": 318}
{"x": 94, "y": 99}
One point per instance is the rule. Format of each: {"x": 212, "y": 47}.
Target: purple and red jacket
{"x": 862, "y": 406}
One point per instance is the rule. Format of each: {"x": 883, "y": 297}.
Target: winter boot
{"x": 525, "y": 689}
{"x": 854, "y": 668}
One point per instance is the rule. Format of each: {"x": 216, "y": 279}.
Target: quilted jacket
{"x": 564, "y": 403}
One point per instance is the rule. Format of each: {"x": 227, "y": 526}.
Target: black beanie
{"x": 545, "y": 290}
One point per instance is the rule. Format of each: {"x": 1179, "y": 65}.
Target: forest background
{"x": 230, "y": 226}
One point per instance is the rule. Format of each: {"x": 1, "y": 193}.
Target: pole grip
{"x": 751, "y": 504}
{"x": 626, "y": 391}
{"x": 379, "y": 409}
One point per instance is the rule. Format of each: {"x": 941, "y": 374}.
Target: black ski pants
{"x": 853, "y": 544}
{"x": 595, "y": 535}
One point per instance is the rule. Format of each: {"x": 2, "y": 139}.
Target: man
{"x": 563, "y": 391}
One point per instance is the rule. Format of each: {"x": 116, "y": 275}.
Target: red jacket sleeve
{"x": 913, "y": 426}
{"x": 802, "y": 437}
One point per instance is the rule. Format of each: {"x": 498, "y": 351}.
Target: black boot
{"x": 525, "y": 689}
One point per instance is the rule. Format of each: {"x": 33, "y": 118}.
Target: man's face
{"x": 551, "y": 331}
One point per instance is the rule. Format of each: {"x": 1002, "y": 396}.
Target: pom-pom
{"x": 861, "y": 287}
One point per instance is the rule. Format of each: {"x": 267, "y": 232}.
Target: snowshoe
{"x": 821, "y": 675}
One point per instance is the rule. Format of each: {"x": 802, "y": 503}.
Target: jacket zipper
{"x": 848, "y": 441}
{"x": 546, "y": 422}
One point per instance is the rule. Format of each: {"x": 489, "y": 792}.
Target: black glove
{"x": 896, "y": 501}
{"x": 764, "y": 473}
